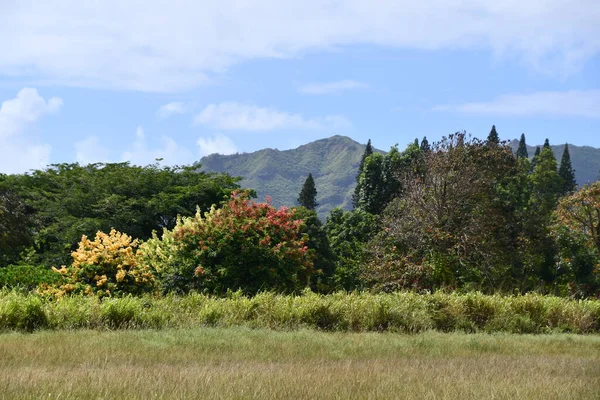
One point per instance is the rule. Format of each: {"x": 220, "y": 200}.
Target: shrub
{"x": 243, "y": 245}
{"x": 27, "y": 277}
{"x": 105, "y": 266}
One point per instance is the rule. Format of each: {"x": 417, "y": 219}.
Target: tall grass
{"x": 242, "y": 363}
{"x": 358, "y": 312}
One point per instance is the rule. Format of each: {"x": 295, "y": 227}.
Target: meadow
{"x": 239, "y": 362}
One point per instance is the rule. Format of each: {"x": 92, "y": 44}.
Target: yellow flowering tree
{"x": 105, "y": 266}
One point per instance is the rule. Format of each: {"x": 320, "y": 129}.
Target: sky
{"x": 129, "y": 80}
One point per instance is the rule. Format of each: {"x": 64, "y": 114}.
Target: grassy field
{"x": 232, "y": 363}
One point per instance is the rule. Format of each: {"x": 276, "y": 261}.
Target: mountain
{"x": 333, "y": 163}
{"x": 585, "y": 160}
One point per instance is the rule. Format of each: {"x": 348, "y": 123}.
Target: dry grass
{"x": 242, "y": 363}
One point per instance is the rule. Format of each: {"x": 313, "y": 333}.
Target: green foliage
{"x": 27, "y": 277}
{"x": 493, "y": 138}
{"x": 522, "y": 150}
{"x": 361, "y": 166}
{"x": 15, "y": 232}
{"x": 67, "y": 201}
{"x": 348, "y": 232}
{"x": 396, "y": 312}
{"x": 244, "y": 245}
{"x": 565, "y": 171}
{"x": 308, "y": 194}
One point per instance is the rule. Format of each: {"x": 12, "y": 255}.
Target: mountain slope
{"x": 585, "y": 160}
{"x": 334, "y": 165}
{"x": 280, "y": 174}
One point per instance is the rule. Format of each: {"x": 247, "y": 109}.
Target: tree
{"x": 577, "y": 234}
{"x": 371, "y": 186}
{"x": 368, "y": 151}
{"x": 425, "y": 147}
{"x": 565, "y": 171}
{"x": 15, "y": 227}
{"x": 71, "y": 200}
{"x": 242, "y": 245}
{"x": 535, "y": 156}
{"x": 546, "y": 144}
{"x": 493, "y": 138}
{"x": 308, "y": 195}
{"x": 451, "y": 219}
{"x": 522, "y": 150}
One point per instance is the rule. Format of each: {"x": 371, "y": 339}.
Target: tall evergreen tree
{"x": 535, "y": 157}
{"x": 425, "y": 145}
{"x": 546, "y": 144}
{"x": 308, "y": 195}
{"x": 566, "y": 172}
{"x": 356, "y": 196}
{"x": 522, "y": 150}
{"x": 493, "y": 137}
{"x": 372, "y": 186}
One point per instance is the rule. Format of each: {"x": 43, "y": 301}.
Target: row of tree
{"x": 465, "y": 213}
{"x": 461, "y": 213}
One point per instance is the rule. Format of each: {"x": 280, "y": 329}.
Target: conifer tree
{"x": 566, "y": 172}
{"x": 522, "y": 150}
{"x": 493, "y": 138}
{"x": 546, "y": 144}
{"x": 308, "y": 195}
{"x": 425, "y": 147}
{"x": 357, "y": 189}
{"x": 535, "y": 156}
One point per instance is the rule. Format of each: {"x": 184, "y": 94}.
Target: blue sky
{"x": 140, "y": 80}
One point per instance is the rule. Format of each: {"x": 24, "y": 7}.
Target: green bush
{"x": 27, "y": 277}
{"x": 405, "y": 312}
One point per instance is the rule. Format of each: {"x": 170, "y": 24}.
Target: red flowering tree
{"x": 243, "y": 245}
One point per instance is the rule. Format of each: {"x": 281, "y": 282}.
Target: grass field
{"x": 233, "y": 363}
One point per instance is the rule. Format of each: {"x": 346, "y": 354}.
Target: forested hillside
{"x": 333, "y": 163}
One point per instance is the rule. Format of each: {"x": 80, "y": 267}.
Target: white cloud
{"x": 170, "y": 152}
{"x": 216, "y": 144}
{"x": 332, "y": 87}
{"x": 161, "y": 45}
{"x": 578, "y": 103}
{"x": 176, "y": 107}
{"x": 19, "y": 152}
{"x": 25, "y": 109}
{"x": 237, "y": 116}
{"x": 90, "y": 150}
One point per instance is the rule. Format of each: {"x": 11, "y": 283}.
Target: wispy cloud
{"x": 331, "y": 87}
{"x": 140, "y": 153}
{"x": 90, "y": 150}
{"x": 216, "y": 144}
{"x": 116, "y": 44}
{"x": 237, "y": 116}
{"x": 18, "y": 151}
{"x": 577, "y": 103}
{"x": 173, "y": 108}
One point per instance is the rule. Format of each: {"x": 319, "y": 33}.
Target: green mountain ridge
{"x": 334, "y": 164}
{"x": 280, "y": 174}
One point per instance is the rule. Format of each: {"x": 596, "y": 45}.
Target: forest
{"x": 461, "y": 214}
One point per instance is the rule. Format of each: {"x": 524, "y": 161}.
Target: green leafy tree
{"x": 451, "y": 222}
{"x": 71, "y": 200}
{"x": 356, "y": 196}
{"x": 535, "y": 156}
{"x": 566, "y": 172}
{"x": 15, "y": 227}
{"x": 308, "y": 194}
{"x": 348, "y": 233}
{"x": 522, "y": 150}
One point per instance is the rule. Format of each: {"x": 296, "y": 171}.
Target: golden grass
{"x": 232, "y": 363}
